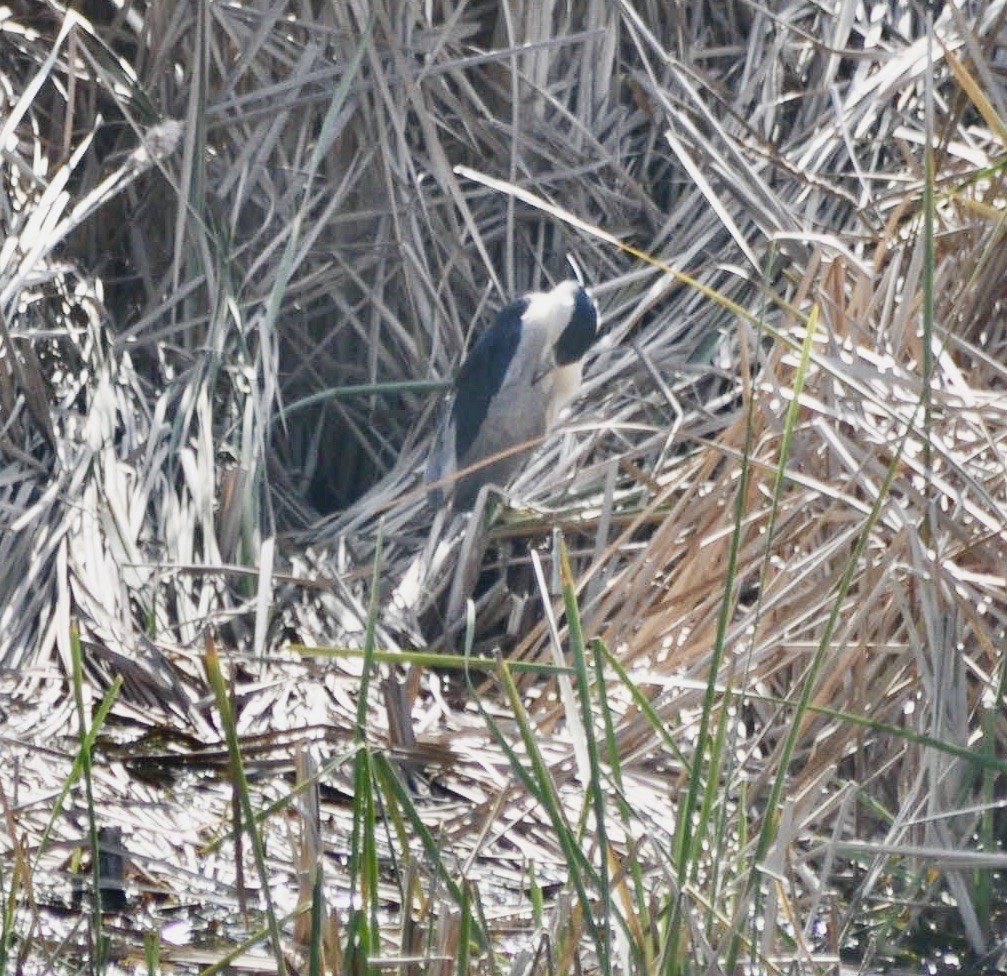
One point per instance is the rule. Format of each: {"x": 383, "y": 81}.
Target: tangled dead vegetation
{"x": 783, "y": 487}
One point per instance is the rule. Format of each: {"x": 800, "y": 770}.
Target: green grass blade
{"x": 216, "y": 679}
{"x": 540, "y": 785}
{"x": 363, "y": 932}
{"x": 363, "y": 389}
{"x": 77, "y": 680}
{"x": 640, "y": 943}
{"x": 429, "y": 659}
{"x": 768, "y": 827}
{"x": 595, "y": 789}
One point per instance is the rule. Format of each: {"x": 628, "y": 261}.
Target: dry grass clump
{"x": 756, "y": 718}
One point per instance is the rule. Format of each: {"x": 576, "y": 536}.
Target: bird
{"x": 511, "y": 386}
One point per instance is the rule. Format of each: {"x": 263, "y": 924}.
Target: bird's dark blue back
{"x": 483, "y": 372}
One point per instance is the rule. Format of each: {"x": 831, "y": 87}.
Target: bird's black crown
{"x": 580, "y": 332}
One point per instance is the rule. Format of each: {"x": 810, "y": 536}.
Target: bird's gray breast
{"x": 519, "y": 410}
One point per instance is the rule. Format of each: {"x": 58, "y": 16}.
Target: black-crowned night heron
{"x": 510, "y": 388}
